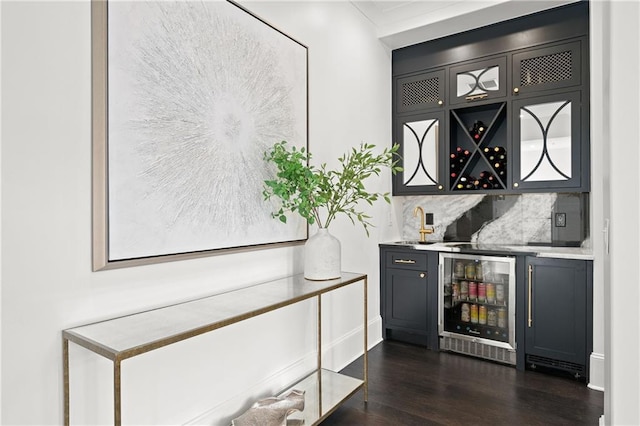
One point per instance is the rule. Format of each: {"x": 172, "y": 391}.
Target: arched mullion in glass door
{"x": 418, "y": 167}
{"x": 544, "y": 145}
{"x": 420, "y": 140}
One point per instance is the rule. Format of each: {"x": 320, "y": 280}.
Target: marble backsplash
{"x": 497, "y": 219}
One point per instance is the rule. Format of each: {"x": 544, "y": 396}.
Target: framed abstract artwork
{"x": 187, "y": 96}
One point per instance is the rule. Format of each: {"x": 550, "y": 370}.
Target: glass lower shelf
{"x": 324, "y": 390}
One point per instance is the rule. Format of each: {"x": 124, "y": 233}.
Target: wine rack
{"x": 478, "y": 155}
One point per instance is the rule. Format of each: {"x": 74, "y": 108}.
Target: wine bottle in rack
{"x": 499, "y": 163}
{"x": 502, "y": 174}
{"x": 477, "y": 130}
{"x": 465, "y": 182}
{"x": 470, "y": 182}
{"x": 483, "y": 182}
{"x": 459, "y": 157}
{"x": 454, "y": 164}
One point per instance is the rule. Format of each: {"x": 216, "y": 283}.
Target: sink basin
{"x": 413, "y": 243}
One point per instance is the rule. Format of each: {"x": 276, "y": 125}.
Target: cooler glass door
{"x": 477, "y": 299}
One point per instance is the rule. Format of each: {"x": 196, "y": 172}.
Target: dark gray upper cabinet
{"x": 420, "y": 137}
{"x": 478, "y": 80}
{"x": 548, "y": 68}
{"x": 558, "y": 324}
{"x": 523, "y": 82}
{"x": 422, "y": 92}
{"x": 548, "y": 145}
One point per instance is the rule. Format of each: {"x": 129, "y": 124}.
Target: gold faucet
{"x": 423, "y": 231}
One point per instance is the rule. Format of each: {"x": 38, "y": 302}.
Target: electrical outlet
{"x": 560, "y": 220}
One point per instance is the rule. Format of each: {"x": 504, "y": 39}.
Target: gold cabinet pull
{"x": 422, "y": 275}
{"x": 516, "y": 90}
{"x": 530, "y": 292}
{"x": 408, "y": 262}
{"x": 477, "y": 97}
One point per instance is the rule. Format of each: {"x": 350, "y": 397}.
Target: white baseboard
{"x": 596, "y": 372}
{"x": 335, "y": 355}
{"x": 346, "y": 349}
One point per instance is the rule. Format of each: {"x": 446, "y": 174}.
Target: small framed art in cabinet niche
{"x": 187, "y": 97}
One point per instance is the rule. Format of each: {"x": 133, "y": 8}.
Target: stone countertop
{"x": 578, "y": 253}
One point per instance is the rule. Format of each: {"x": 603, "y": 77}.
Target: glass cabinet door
{"x": 547, "y": 142}
{"x": 477, "y": 299}
{"x": 478, "y": 81}
{"x": 420, "y": 138}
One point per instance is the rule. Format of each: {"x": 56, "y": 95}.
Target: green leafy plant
{"x": 307, "y": 190}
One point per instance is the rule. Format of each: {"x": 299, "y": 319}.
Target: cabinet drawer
{"x": 406, "y": 259}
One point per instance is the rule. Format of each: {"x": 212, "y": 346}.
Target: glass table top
{"x": 134, "y": 334}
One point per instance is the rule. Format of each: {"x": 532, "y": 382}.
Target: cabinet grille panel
{"x": 557, "y": 364}
{"x": 478, "y": 349}
{"x": 546, "y": 69}
{"x": 421, "y": 92}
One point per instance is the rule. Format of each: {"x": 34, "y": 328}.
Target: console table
{"x": 126, "y": 337}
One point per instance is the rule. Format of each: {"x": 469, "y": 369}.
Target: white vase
{"x": 322, "y": 256}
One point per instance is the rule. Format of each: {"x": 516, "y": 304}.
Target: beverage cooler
{"x": 476, "y": 312}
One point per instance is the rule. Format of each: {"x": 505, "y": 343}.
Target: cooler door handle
{"x": 440, "y": 294}
{"x": 530, "y": 320}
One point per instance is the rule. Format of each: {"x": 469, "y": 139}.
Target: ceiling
{"x": 405, "y": 22}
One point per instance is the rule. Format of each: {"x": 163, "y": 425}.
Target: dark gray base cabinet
{"x": 405, "y": 287}
{"x": 558, "y": 314}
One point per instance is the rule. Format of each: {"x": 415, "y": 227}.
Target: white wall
{"x": 598, "y": 137}
{"x": 47, "y": 283}
{"x": 0, "y": 225}
{"x": 622, "y": 294}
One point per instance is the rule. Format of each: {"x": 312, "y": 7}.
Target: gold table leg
{"x": 65, "y": 378}
{"x": 366, "y": 343}
{"x": 117, "y": 394}
{"x": 319, "y": 322}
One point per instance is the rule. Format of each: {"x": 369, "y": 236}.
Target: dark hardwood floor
{"x": 410, "y": 385}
